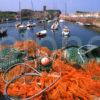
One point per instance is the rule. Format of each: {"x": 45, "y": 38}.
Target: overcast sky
{"x": 72, "y": 5}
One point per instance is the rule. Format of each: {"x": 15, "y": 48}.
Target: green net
{"x": 44, "y": 68}
{"x": 73, "y": 56}
{"x": 9, "y": 57}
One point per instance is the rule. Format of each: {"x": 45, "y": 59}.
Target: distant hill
{"x": 7, "y": 15}
{"x": 27, "y": 14}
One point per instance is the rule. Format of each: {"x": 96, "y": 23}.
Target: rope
{"x": 23, "y": 65}
{"x": 17, "y": 77}
{"x": 28, "y": 74}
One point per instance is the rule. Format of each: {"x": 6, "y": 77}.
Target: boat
{"x": 81, "y": 54}
{"x": 49, "y": 21}
{"x": 41, "y": 34}
{"x": 19, "y": 25}
{"x": 61, "y": 20}
{"x": 87, "y": 24}
{"x": 65, "y": 31}
{"x": 41, "y": 21}
{"x": 80, "y": 23}
{"x": 30, "y": 25}
{"x": 22, "y": 28}
{"x": 3, "y": 33}
{"x": 54, "y": 26}
{"x": 3, "y": 30}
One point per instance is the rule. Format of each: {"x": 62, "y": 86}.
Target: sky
{"x": 71, "y": 5}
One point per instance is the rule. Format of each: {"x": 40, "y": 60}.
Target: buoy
{"x": 45, "y": 61}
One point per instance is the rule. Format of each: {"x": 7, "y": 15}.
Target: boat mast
{"x": 20, "y": 12}
{"x": 65, "y": 7}
{"x": 44, "y": 11}
{"x": 32, "y": 10}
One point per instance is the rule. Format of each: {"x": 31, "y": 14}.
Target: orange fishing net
{"x": 74, "y": 84}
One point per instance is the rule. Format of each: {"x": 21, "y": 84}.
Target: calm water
{"x": 78, "y": 35}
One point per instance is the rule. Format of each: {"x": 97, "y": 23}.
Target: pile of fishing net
{"x": 72, "y": 84}
{"x": 63, "y": 82}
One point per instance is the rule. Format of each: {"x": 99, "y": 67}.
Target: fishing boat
{"x": 80, "y": 23}
{"x": 19, "y": 25}
{"x": 49, "y": 21}
{"x": 41, "y": 34}
{"x": 61, "y": 20}
{"x": 87, "y": 24}
{"x": 81, "y": 54}
{"x": 54, "y": 26}
{"x": 41, "y": 21}
{"x": 22, "y": 28}
{"x": 3, "y": 33}
{"x": 65, "y": 31}
{"x": 30, "y": 23}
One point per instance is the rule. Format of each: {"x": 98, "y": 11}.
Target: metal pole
{"x": 20, "y": 11}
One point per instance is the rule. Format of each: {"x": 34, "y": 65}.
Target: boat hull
{"x": 3, "y": 33}
{"x": 41, "y": 34}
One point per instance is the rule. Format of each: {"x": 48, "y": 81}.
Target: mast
{"x": 32, "y": 4}
{"x": 44, "y": 11}
{"x": 65, "y": 7}
{"x": 32, "y": 10}
{"x": 20, "y": 12}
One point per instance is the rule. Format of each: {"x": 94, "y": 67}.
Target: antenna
{"x": 65, "y": 7}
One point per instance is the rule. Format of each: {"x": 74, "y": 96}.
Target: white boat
{"x": 41, "y": 34}
{"x": 17, "y": 25}
{"x": 22, "y": 28}
{"x": 80, "y": 23}
{"x": 30, "y": 25}
{"x": 61, "y": 20}
{"x": 42, "y": 21}
{"x": 55, "y": 25}
{"x": 65, "y": 31}
{"x": 49, "y": 21}
{"x": 34, "y": 24}
{"x": 87, "y": 24}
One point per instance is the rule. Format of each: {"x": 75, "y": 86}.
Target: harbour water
{"x": 79, "y": 35}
